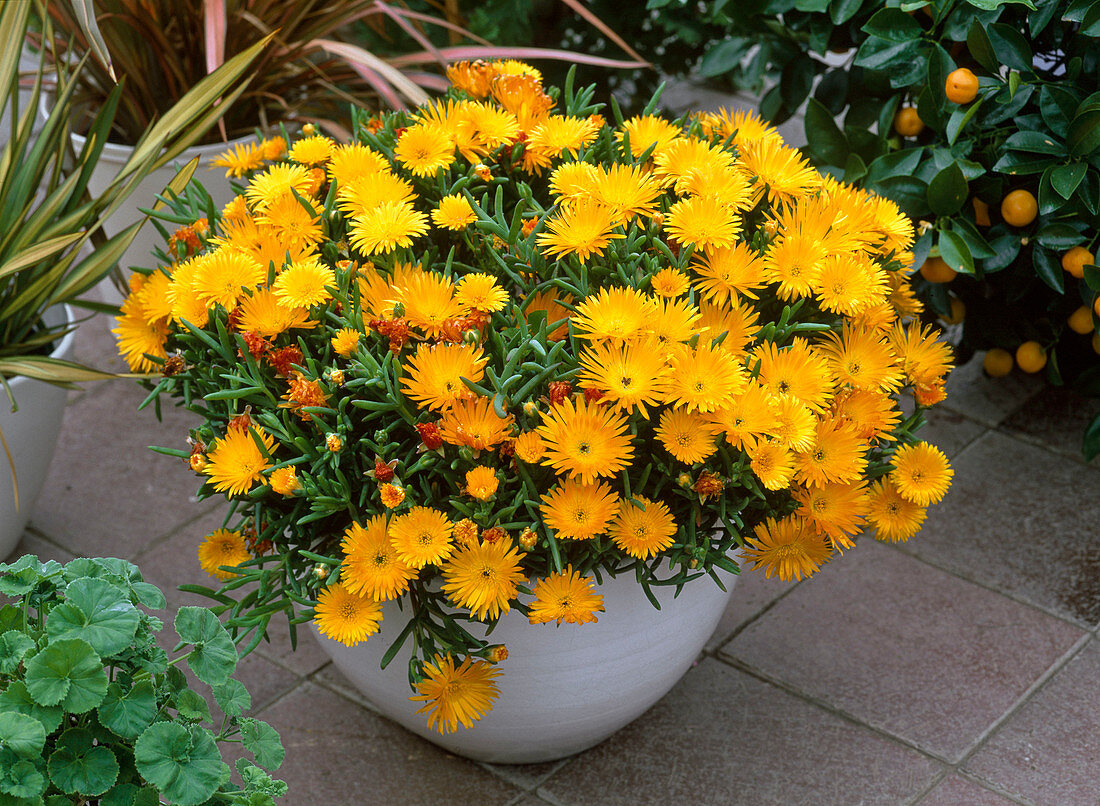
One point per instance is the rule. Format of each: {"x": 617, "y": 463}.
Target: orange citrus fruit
{"x": 935, "y": 270}
{"x": 1019, "y": 208}
{"x": 1096, "y": 342}
{"x": 907, "y": 122}
{"x": 1080, "y": 321}
{"x": 958, "y": 312}
{"x": 997, "y": 362}
{"x": 1096, "y": 305}
{"x": 1031, "y": 356}
{"x": 1075, "y": 260}
{"x": 962, "y": 86}
{"x": 981, "y": 212}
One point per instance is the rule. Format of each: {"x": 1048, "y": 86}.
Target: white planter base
{"x": 562, "y": 689}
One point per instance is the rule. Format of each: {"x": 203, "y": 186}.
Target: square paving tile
{"x": 954, "y": 790}
{"x": 988, "y": 400}
{"x": 338, "y": 754}
{"x": 949, "y": 430}
{"x": 752, "y": 593}
{"x": 905, "y": 647}
{"x": 1058, "y": 418}
{"x": 1022, "y": 520}
{"x": 724, "y": 737}
{"x": 42, "y": 549}
{"x": 1049, "y": 751}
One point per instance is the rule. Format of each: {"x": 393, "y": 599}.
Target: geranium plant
{"x": 92, "y": 710}
{"x": 498, "y": 348}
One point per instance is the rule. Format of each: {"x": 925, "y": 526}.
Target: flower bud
{"x": 496, "y": 653}
{"x": 333, "y": 442}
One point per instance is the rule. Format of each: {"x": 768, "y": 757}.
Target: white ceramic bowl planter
{"x": 31, "y": 434}
{"x": 563, "y": 688}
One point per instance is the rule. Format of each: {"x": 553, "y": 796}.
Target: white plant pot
{"x": 563, "y": 688}
{"x": 31, "y": 434}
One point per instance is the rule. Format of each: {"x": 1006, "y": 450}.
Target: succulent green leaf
{"x": 67, "y": 673}
{"x": 128, "y": 713}
{"x": 214, "y": 657}
{"x": 77, "y": 766}
{"x": 23, "y": 735}
{"x": 183, "y": 763}
{"x": 233, "y": 698}
{"x": 263, "y": 742}
{"x": 14, "y": 645}
{"x": 23, "y": 779}
{"x": 16, "y": 699}
{"x": 98, "y": 612}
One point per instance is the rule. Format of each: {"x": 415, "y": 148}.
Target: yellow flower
{"x": 235, "y": 463}
{"x": 780, "y": 171}
{"x": 837, "y": 455}
{"x": 773, "y": 463}
{"x": 314, "y": 150}
{"x": 456, "y": 695}
{"x": 627, "y": 190}
{"x": 240, "y": 159}
{"x": 481, "y": 483}
{"x": 435, "y": 373}
{"x": 371, "y": 566}
{"x": 350, "y": 161}
{"x": 585, "y": 441}
{"x": 729, "y": 273}
{"x": 613, "y": 313}
{"x": 686, "y": 435}
{"x": 220, "y": 278}
{"x": 137, "y": 337}
{"x": 703, "y": 222}
{"x": 797, "y": 370}
{"x": 276, "y": 182}
{"x": 386, "y": 227}
{"x": 705, "y": 378}
{"x": 303, "y": 283}
{"x": 894, "y": 517}
{"x": 345, "y": 616}
{"x": 577, "y": 511}
{"x": 583, "y": 228}
{"x": 475, "y": 424}
{"x": 223, "y": 547}
{"x": 480, "y": 292}
{"x": 360, "y": 193}
{"x": 284, "y": 481}
{"x": 392, "y": 495}
{"x": 670, "y": 282}
{"x": 263, "y": 314}
{"x": 482, "y": 577}
{"x": 346, "y": 341}
{"x": 529, "y": 447}
{"x": 787, "y": 548}
{"x": 835, "y": 510}
{"x": 424, "y": 149}
{"x": 293, "y": 223}
{"x": 644, "y": 131}
{"x": 862, "y": 360}
{"x": 643, "y": 531}
{"x": 421, "y": 536}
{"x": 629, "y": 376}
{"x": 921, "y": 473}
{"x": 567, "y": 597}
{"x": 454, "y": 213}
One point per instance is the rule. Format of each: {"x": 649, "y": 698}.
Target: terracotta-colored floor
{"x": 960, "y": 668}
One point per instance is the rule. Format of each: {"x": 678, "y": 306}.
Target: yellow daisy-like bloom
{"x": 481, "y": 483}
{"x": 872, "y": 414}
{"x": 371, "y": 566}
{"x": 674, "y": 321}
{"x": 629, "y": 375}
{"x": 837, "y": 455}
{"x": 314, "y": 150}
{"x": 628, "y": 190}
{"x": 276, "y": 182}
{"x": 274, "y": 148}
{"x": 346, "y": 341}
{"x": 747, "y": 417}
{"x": 572, "y": 179}
{"x": 480, "y": 292}
{"x": 861, "y": 360}
{"x": 773, "y": 464}
{"x": 794, "y": 263}
{"x": 835, "y": 510}
{"x": 788, "y": 548}
{"x": 474, "y": 423}
{"x": 847, "y": 284}
{"x": 220, "y": 279}
{"x": 643, "y": 531}
{"x": 284, "y": 481}
{"x": 585, "y": 441}
{"x": 293, "y": 223}
{"x": 924, "y": 358}
{"x": 577, "y": 511}
{"x": 424, "y": 149}
{"x": 780, "y": 171}
{"x": 493, "y": 126}
{"x": 137, "y": 338}
{"x": 613, "y": 313}
{"x": 262, "y": 313}
{"x": 670, "y": 282}
{"x": 235, "y": 463}
{"x": 559, "y": 133}
{"x": 153, "y": 297}
{"x": 186, "y": 305}
{"x": 551, "y": 303}
{"x": 728, "y": 273}
{"x": 429, "y": 301}
{"x": 686, "y": 435}
{"x": 240, "y": 159}
{"x": 703, "y": 222}
{"x": 303, "y": 284}
{"x": 421, "y": 536}
{"x": 704, "y": 379}
{"x": 366, "y": 192}
{"x": 223, "y": 547}
{"x": 735, "y": 325}
{"x": 529, "y": 447}
{"x": 350, "y": 161}
{"x": 465, "y": 532}
{"x": 454, "y": 213}
{"x": 795, "y": 425}
{"x": 685, "y": 156}
{"x": 456, "y": 695}
{"x": 894, "y": 517}
{"x": 386, "y": 227}
{"x": 482, "y": 577}
{"x": 567, "y": 597}
{"x": 391, "y": 495}
{"x": 921, "y": 473}
{"x": 344, "y": 616}
{"x": 742, "y": 124}
{"x": 582, "y": 228}
{"x": 644, "y": 131}
{"x": 435, "y": 373}
{"x": 797, "y": 370}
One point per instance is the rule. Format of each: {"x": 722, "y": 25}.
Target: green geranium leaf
{"x": 98, "y": 612}
{"x": 13, "y": 646}
{"x": 16, "y": 699}
{"x": 23, "y": 735}
{"x": 128, "y": 713}
{"x": 21, "y": 576}
{"x": 256, "y": 780}
{"x": 263, "y": 742}
{"x": 67, "y": 673}
{"x": 214, "y": 657}
{"x": 191, "y": 705}
{"x": 23, "y": 779}
{"x": 183, "y": 763}
{"x": 109, "y": 568}
{"x": 78, "y": 766}
{"x": 120, "y": 795}
{"x": 148, "y": 595}
{"x": 233, "y": 698}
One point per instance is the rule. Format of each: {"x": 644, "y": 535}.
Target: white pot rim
{"x": 53, "y": 316}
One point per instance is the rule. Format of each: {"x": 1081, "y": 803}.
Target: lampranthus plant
{"x": 532, "y": 349}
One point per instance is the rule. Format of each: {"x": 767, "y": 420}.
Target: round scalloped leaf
{"x": 214, "y": 657}
{"x": 263, "y": 742}
{"x": 18, "y": 700}
{"x": 78, "y": 766}
{"x": 14, "y": 644}
{"x": 124, "y": 794}
{"x": 192, "y": 706}
{"x": 233, "y": 698}
{"x": 184, "y": 764}
{"x": 148, "y": 594}
{"x": 23, "y": 735}
{"x": 67, "y": 673}
{"x": 97, "y": 611}
{"x": 23, "y": 779}
{"x": 21, "y": 576}
{"x": 128, "y": 713}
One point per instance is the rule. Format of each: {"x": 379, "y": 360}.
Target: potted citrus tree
{"x": 490, "y": 384}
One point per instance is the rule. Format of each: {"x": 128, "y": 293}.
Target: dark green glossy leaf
{"x": 1035, "y": 142}
{"x": 977, "y": 42}
{"x": 947, "y": 191}
{"x": 826, "y": 142}
{"x": 1090, "y": 445}
{"x": 875, "y": 53}
{"x": 1065, "y": 178}
{"x": 1092, "y": 277}
{"x": 1006, "y": 248}
{"x": 1049, "y": 268}
{"x": 893, "y": 25}
{"x": 1010, "y": 46}
{"x": 843, "y": 10}
{"x": 79, "y": 766}
{"x": 955, "y": 252}
{"x": 183, "y": 763}
{"x": 722, "y": 58}
{"x": 1083, "y": 135}
{"x": 1059, "y": 237}
{"x": 908, "y": 192}
{"x": 67, "y": 673}
{"x": 1090, "y": 25}
{"x": 898, "y": 163}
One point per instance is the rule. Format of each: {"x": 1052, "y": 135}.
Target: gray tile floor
{"x": 960, "y": 668}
